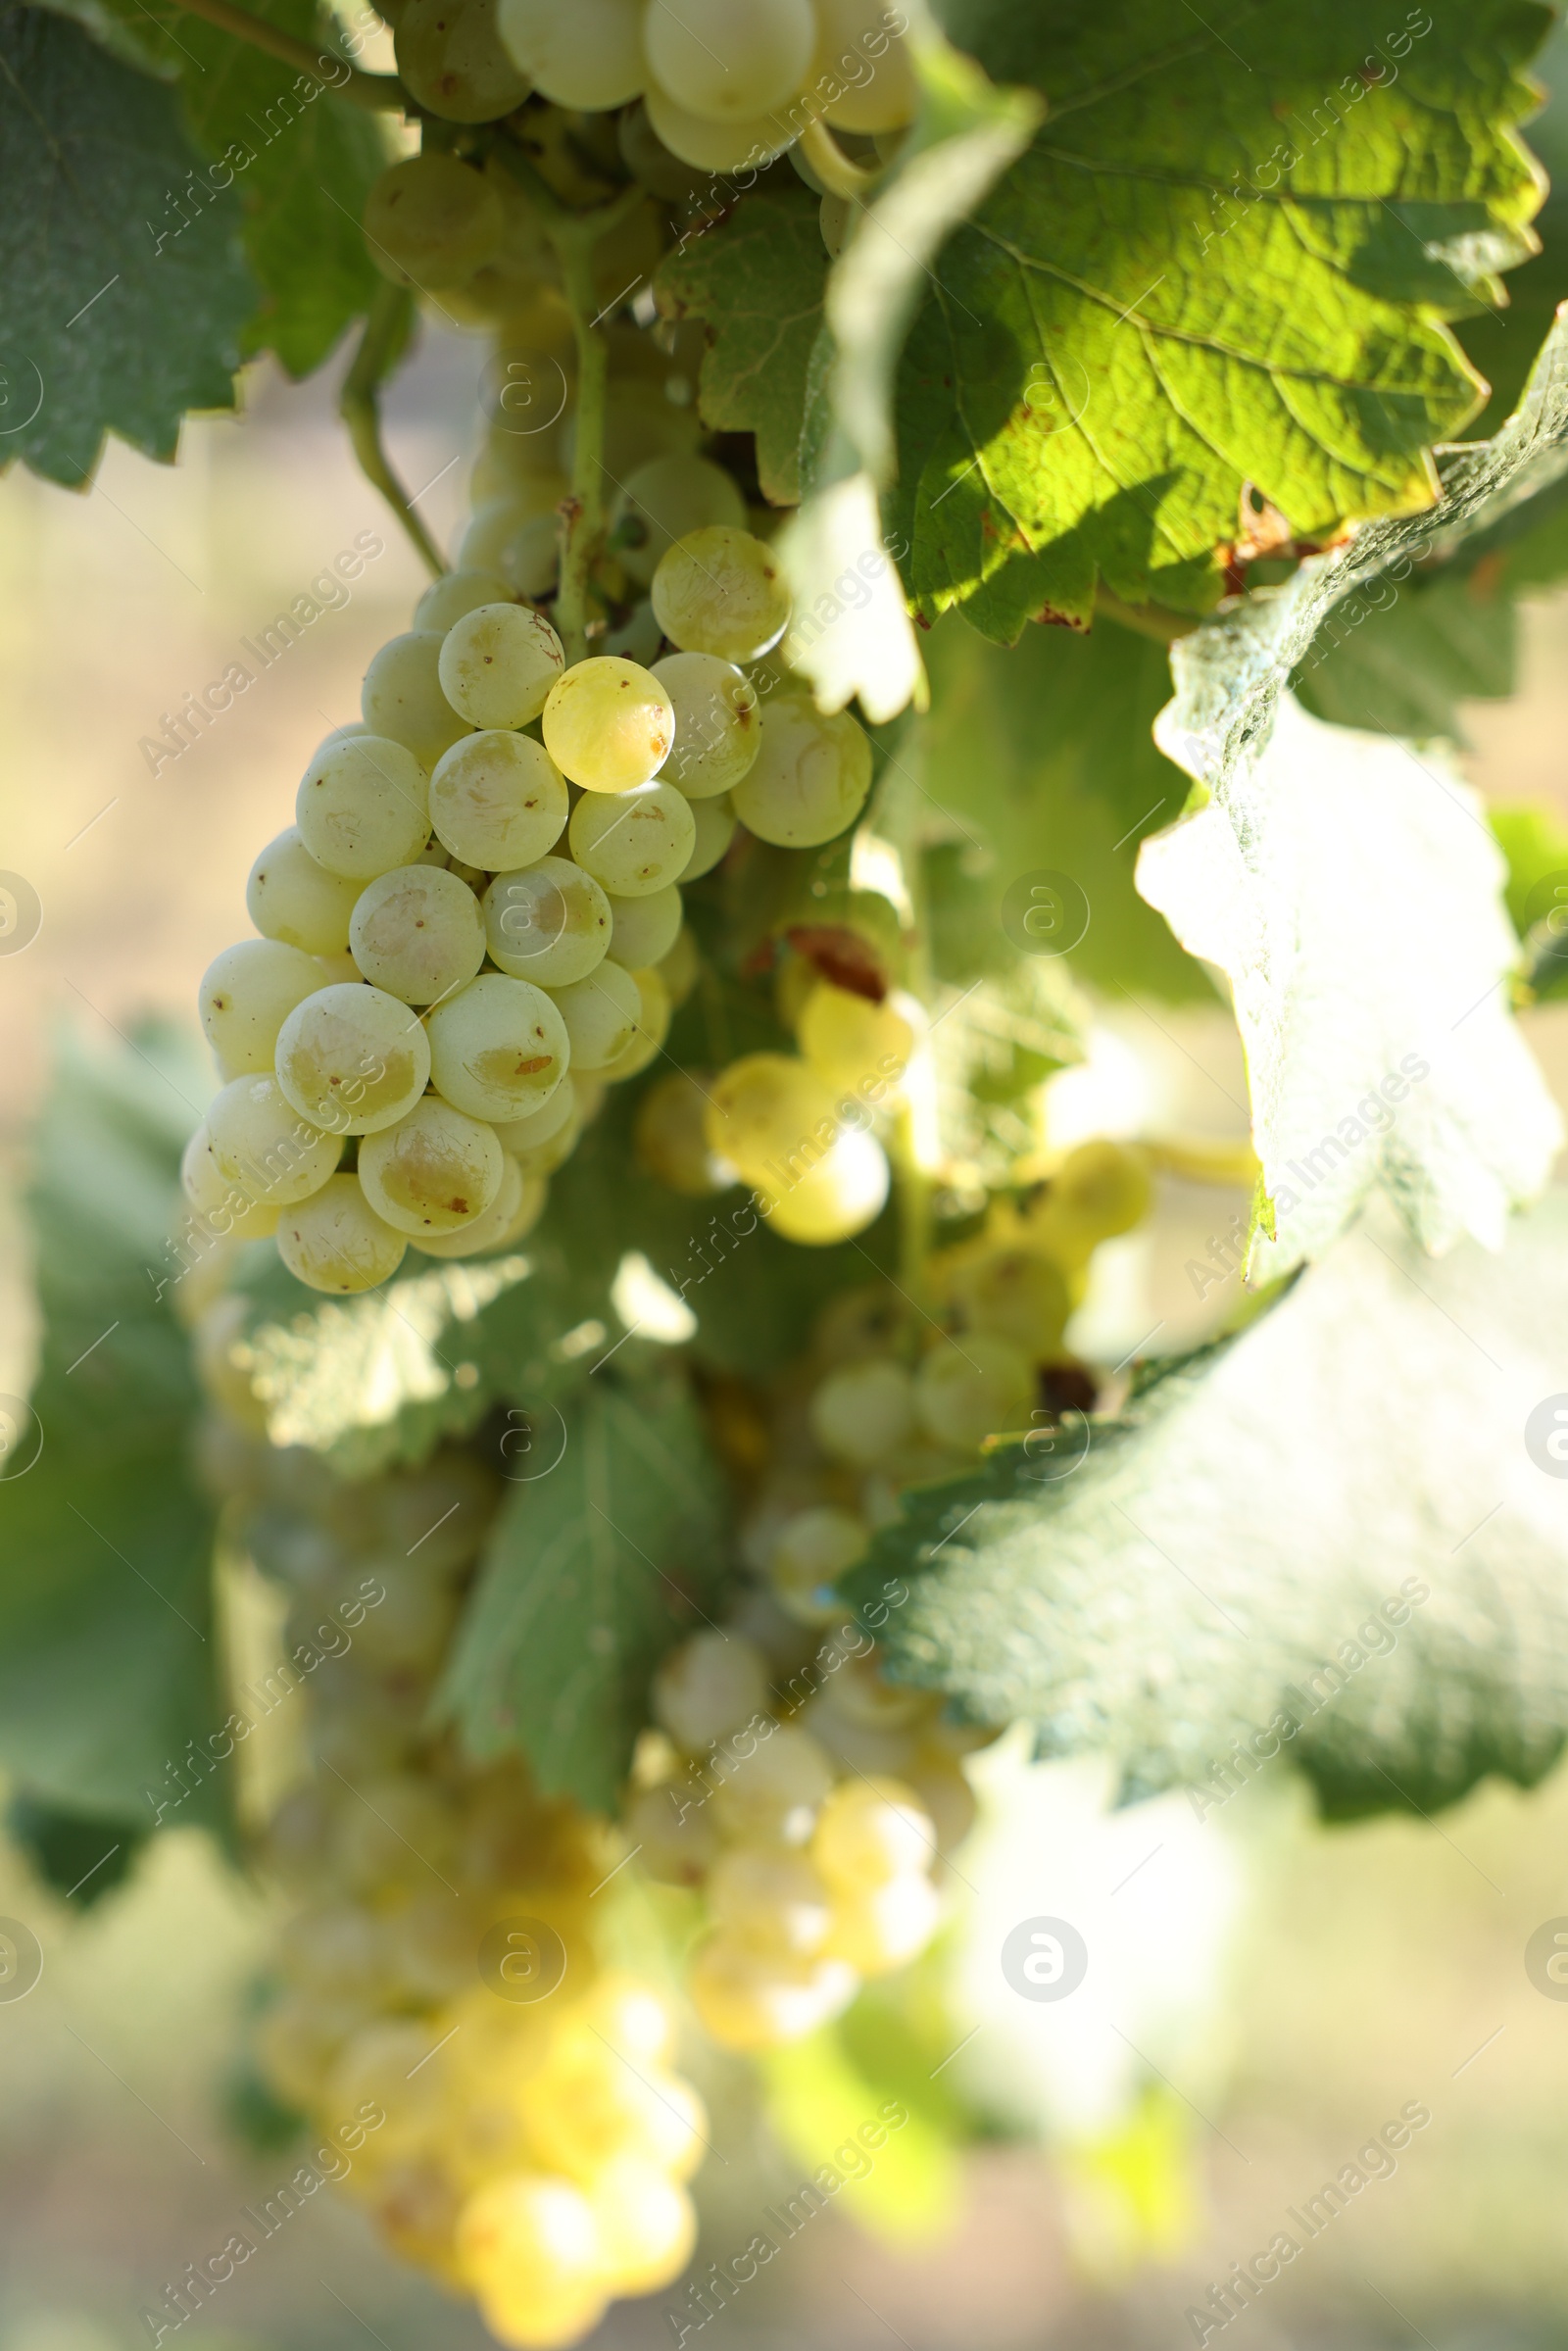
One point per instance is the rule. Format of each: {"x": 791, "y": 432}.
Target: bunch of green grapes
{"x": 475, "y": 923}
{"x": 723, "y": 83}
{"x": 812, "y": 1802}
{"x": 524, "y": 2136}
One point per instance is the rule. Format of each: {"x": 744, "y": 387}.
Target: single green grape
{"x": 721, "y": 591}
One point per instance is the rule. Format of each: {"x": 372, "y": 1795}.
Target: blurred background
{"x": 1278, "y": 1991}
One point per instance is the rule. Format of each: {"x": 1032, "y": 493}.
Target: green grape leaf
{"x": 108, "y": 1653}
{"x": 113, "y": 322}
{"x": 608, "y": 1552}
{"x": 80, "y": 1855}
{"x": 1502, "y": 339}
{"x": 1349, "y": 886}
{"x": 303, "y": 162}
{"x": 1165, "y": 1587}
{"x": 852, "y": 634}
{"x": 1408, "y": 664}
{"x": 757, "y": 284}
{"x": 139, "y": 36}
{"x": 1226, "y": 260}
{"x": 1043, "y": 759}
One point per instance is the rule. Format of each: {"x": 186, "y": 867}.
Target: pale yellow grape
{"x": 335, "y": 1241}
{"x": 609, "y": 724}
{"x": 260, "y": 1144}
{"x": 516, "y": 1135}
{"x": 289, "y": 896}
{"x": 587, "y": 2106}
{"x": 499, "y": 1047}
{"x": 712, "y": 1684}
{"x": 249, "y": 991}
{"x": 864, "y": 1414}
{"x": 968, "y": 1390}
{"x": 433, "y": 1172}
{"x": 670, "y": 1138}
{"x": 768, "y": 1900}
{"x": 498, "y": 800}
{"x": 600, "y": 1015}
{"x": 529, "y": 2239}
{"x": 879, "y": 1927}
{"x": 336, "y": 970}
{"x": 497, "y": 665}
{"x": 643, "y": 929}
{"x": 813, "y": 1551}
{"x": 809, "y": 778}
{"x": 633, "y": 843}
{"x": 513, "y": 456}
{"x": 664, "y": 500}
{"x": 418, "y": 933}
{"x": 636, "y": 428}
{"x": 432, "y": 222}
{"x": 675, "y": 1836}
{"x": 363, "y": 806}
{"x": 650, "y": 162}
{"x": 549, "y": 923}
{"x": 1018, "y": 1294}
{"x": 512, "y": 1213}
{"x": 452, "y": 61}
{"x": 849, "y": 1040}
{"x": 218, "y": 1201}
{"x": 495, "y": 529}
{"x": 764, "y": 1108}
{"x": 654, "y": 1012}
{"x": 870, "y": 1831}
{"x": 647, "y": 2226}
{"x": 681, "y": 969}
{"x": 717, "y": 723}
{"x": 863, "y": 72}
{"x": 445, "y": 600}
{"x": 817, "y": 1199}
{"x": 727, "y": 64}
{"x": 716, "y": 146}
{"x": 1101, "y": 1190}
{"x": 722, "y": 591}
{"x": 587, "y": 56}
{"x": 532, "y": 556}
{"x": 401, "y": 696}
{"x": 715, "y": 822}
{"x": 753, "y": 2000}
{"x": 772, "y": 1794}
{"x": 353, "y": 1059}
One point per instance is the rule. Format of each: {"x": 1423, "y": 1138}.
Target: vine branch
{"x": 377, "y": 91}
{"x": 386, "y": 329}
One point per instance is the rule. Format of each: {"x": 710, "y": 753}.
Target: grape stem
{"x": 574, "y": 236}
{"x": 1144, "y": 620}
{"x": 833, "y": 167}
{"x": 381, "y": 345}
{"x": 379, "y": 91}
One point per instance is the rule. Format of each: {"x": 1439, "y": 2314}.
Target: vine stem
{"x": 1144, "y": 620}
{"x": 584, "y": 510}
{"x": 833, "y": 167}
{"x": 385, "y": 332}
{"x": 379, "y": 91}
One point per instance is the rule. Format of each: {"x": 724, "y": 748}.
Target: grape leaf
{"x": 309, "y": 162}
{"x": 1225, "y": 261}
{"x": 758, "y": 284}
{"x": 106, "y": 328}
{"x": 1164, "y": 1594}
{"x": 108, "y": 1653}
{"x": 1043, "y": 758}
{"x": 593, "y": 1569}
{"x": 1348, "y": 887}
{"x": 852, "y": 634}
{"x": 1503, "y": 340}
